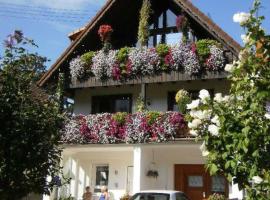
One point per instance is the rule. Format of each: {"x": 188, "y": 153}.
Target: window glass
{"x": 160, "y": 21}
{"x": 122, "y": 104}
{"x": 195, "y": 181}
{"x": 111, "y": 103}
{"x": 218, "y": 184}
{"x": 171, "y": 18}
{"x": 173, "y": 38}
{"x": 102, "y": 175}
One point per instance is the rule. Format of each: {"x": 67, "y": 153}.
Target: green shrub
{"x": 216, "y": 196}
{"x": 152, "y": 116}
{"x": 87, "y": 57}
{"x": 120, "y": 117}
{"x": 162, "y": 50}
{"x": 203, "y": 48}
{"x": 122, "y": 54}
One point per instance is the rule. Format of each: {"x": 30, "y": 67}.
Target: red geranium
{"x": 104, "y": 32}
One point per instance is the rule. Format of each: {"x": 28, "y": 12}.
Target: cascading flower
{"x": 216, "y": 60}
{"x": 109, "y": 128}
{"x": 76, "y": 68}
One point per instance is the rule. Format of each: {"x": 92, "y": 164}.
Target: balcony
{"x": 140, "y": 127}
{"x": 163, "y": 63}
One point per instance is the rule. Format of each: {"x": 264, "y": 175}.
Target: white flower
{"x": 200, "y": 114}
{"x": 241, "y": 18}
{"x": 194, "y": 104}
{"x": 215, "y": 120}
{"x": 257, "y": 179}
{"x": 267, "y": 116}
{"x": 193, "y": 133}
{"x": 213, "y": 129}
{"x": 204, "y": 95}
{"x": 204, "y": 150}
{"x": 194, "y": 124}
{"x": 218, "y": 97}
{"x": 245, "y": 38}
{"x": 229, "y": 68}
{"x": 226, "y": 98}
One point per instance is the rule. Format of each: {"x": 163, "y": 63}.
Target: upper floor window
{"x": 163, "y": 30}
{"x": 111, "y": 103}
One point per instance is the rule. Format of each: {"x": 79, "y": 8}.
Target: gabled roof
{"x": 186, "y": 5}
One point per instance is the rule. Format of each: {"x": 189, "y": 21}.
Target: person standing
{"x": 104, "y": 193}
{"x": 88, "y": 194}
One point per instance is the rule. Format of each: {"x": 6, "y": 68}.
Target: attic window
{"x": 163, "y": 30}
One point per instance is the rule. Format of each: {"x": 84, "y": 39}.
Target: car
{"x": 159, "y": 195}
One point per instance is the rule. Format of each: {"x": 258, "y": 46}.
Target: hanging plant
{"x": 105, "y": 32}
{"x": 152, "y": 173}
{"x": 182, "y": 25}
{"x": 143, "y": 32}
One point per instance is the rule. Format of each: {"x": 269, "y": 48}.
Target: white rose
{"x": 204, "y": 95}
{"x": 204, "y": 150}
{"x": 201, "y": 114}
{"x": 193, "y": 133}
{"x": 194, "y": 124}
{"x": 257, "y": 179}
{"x": 215, "y": 120}
{"x": 218, "y": 97}
{"x": 213, "y": 129}
{"x": 245, "y": 38}
{"x": 267, "y": 116}
{"x": 226, "y": 98}
{"x": 194, "y": 104}
{"x": 241, "y": 18}
{"x": 229, "y": 68}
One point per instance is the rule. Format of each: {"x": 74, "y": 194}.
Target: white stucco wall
{"x": 80, "y": 166}
{"x": 156, "y": 94}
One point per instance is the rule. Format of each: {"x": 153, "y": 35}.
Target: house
{"x": 128, "y": 165}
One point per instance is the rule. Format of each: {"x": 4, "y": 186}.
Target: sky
{"x": 49, "y": 22}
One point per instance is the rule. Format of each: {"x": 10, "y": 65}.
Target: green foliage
{"x": 216, "y": 196}
{"x": 122, "y": 54}
{"x": 30, "y": 121}
{"x": 203, "y": 48}
{"x": 143, "y": 31}
{"x": 162, "y": 50}
{"x": 140, "y": 105}
{"x": 182, "y": 98}
{"x": 120, "y": 117}
{"x": 87, "y": 58}
{"x": 152, "y": 117}
{"x": 241, "y": 148}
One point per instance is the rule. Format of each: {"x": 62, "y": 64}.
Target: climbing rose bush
{"x": 106, "y": 128}
{"x": 235, "y": 129}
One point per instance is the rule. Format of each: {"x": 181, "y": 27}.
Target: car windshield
{"x": 151, "y": 196}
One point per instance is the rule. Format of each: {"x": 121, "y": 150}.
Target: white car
{"x": 159, "y": 195}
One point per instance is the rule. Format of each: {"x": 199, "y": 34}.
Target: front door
{"x": 197, "y": 183}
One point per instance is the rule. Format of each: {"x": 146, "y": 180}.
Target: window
{"x": 172, "y": 106}
{"x": 164, "y": 30}
{"x": 102, "y": 175}
{"x": 111, "y": 103}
